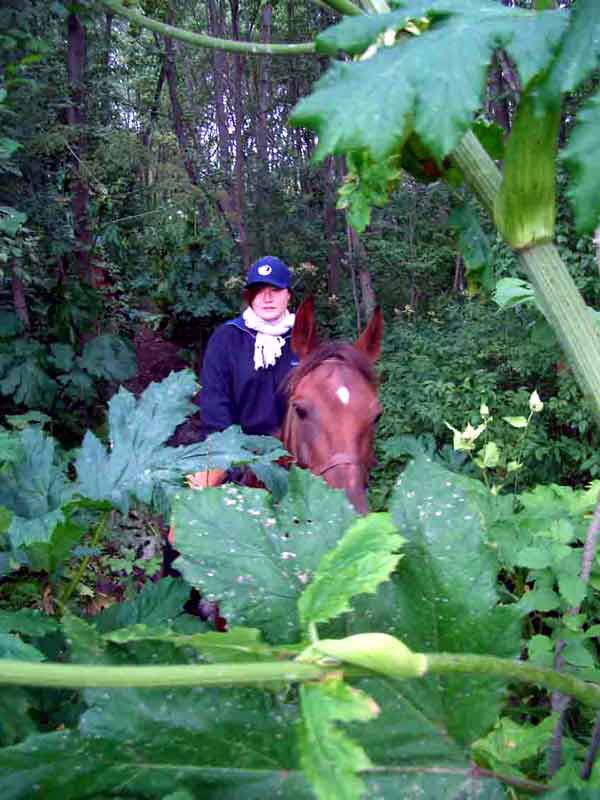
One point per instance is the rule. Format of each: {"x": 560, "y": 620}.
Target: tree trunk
{"x": 330, "y": 225}
{"x": 18, "y": 295}
{"x": 177, "y": 112}
{"x": 76, "y": 58}
{"x": 239, "y": 171}
{"x": 459, "y": 282}
{"x": 106, "y": 96}
{"x": 220, "y": 61}
{"x": 146, "y": 175}
{"x": 358, "y": 260}
{"x": 264, "y": 90}
{"x": 194, "y": 116}
{"x": 498, "y": 101}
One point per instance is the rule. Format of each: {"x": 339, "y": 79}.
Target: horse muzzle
{"x": 343, "y": 471}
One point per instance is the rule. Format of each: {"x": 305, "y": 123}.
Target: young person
{"x": 247, "y": 360}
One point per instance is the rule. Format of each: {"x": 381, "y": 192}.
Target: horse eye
{"x": 301, "y": 412}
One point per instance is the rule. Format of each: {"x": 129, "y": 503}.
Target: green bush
{"x": 442, "y": 366}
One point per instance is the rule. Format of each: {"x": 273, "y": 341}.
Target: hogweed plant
{"x": 394, "y": 621}
{"x": 494, "y": 461}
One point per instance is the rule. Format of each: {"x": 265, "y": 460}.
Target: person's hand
{"x": 206, "y": 478}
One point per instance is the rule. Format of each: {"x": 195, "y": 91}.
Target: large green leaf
{"x": 61, "y": 356}
{"x": 138, "y": 461}
{"x": 110, "y": 357}
{"x": 34, "y": 489}
{"x": 329, "y": 757}
{"x": 443, "y": 599}
{"x": 11, "y": 220}
{"x": 156, "y": 604}
{"x": 209, "y": 759}
{"x": 474, "y": 247}
{"x": 432, "y": 83}
{"x": 256, "y": 557}
{"x": 28, "y": 621}
{"x": 511, "y": 743}
{"x": 237, "y": 644}
{"x": 579, "y": 53}
{"x": 581, "y": 159}
{"x": 15, "y": 720}
{"x": 15, "y": 648}
{"x": 67, "y": 766}
{"x": 27, "y": 383}
{"x": 231, "y": 446}
{"x": 361, "y": 560}
{"x": 213, "y": 718}
{"x": 439, "y": 784}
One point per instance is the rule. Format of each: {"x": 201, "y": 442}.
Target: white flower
{"x": 535, "y": 404}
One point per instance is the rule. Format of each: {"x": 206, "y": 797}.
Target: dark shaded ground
{"x": 157, "y": 358}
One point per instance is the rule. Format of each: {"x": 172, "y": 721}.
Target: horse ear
{"x": 369, "y": 341}
{"x": 304, "y": 335}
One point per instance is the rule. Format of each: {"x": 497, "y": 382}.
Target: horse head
{"x": 333, "y": 405}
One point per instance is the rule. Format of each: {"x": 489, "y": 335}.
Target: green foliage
{"x": 474, "y": 247}
{"x": 45, "y": 513}
{"x": 579, "y": 160}
{"x": 443, "y": 365}
{"x": 202, "y": 281}
{"x": 302, "y": 558}
{"x": 138, "y": 460}
{"x": 509, "y": 744}
{"x": 35, "y": 490}
{"x": 329, "y": 758}
{"x": 280, "y": 548}
{"x": 109, "y": 357}
{"x": 443, "y": 598}
{"x": 446, "y": 597}
{"x": 350, "y": 96}
{"x": 553, "y": 54}
{"x": 539, "y": 542}
{"x": 359, "y": 562}
{"x": 366, "y": 185}
{"x": 54, "y": 378}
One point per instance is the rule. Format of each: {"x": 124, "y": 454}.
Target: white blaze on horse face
{"x": 344, "y": 395}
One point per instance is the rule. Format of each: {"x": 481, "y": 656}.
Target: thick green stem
{"x": 85, "y": 676}
{"x": 568, "y": 315}
{"x": 482, "y": 174}
{"x": 346, "y": 7}
{"x": 76, "y": 676}
{"x": 555, "y": 290}
{"x": 213, "y": 42}
{"x": 522, "y": 671}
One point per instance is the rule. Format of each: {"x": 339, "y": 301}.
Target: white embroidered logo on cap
{"x": 266, "y": 269}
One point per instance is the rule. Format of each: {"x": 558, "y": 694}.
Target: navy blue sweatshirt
{"x": 234, "y": 393}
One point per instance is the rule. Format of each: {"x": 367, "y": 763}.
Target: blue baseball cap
{"x": 269, "y": 270}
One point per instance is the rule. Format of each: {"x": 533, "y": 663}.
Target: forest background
{"x": 140, "y": 177}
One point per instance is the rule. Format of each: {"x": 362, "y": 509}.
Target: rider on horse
{"x": 247, "y": 361}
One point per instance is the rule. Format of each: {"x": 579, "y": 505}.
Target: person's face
{"x": 270, "y": 303}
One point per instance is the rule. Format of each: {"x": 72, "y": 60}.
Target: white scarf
{"x": 269, "y": 336}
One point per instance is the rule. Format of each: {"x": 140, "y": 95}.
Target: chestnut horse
{"x": 333, "y": 406}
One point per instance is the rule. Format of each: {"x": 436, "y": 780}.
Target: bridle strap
{"x": 338, "y": 460}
